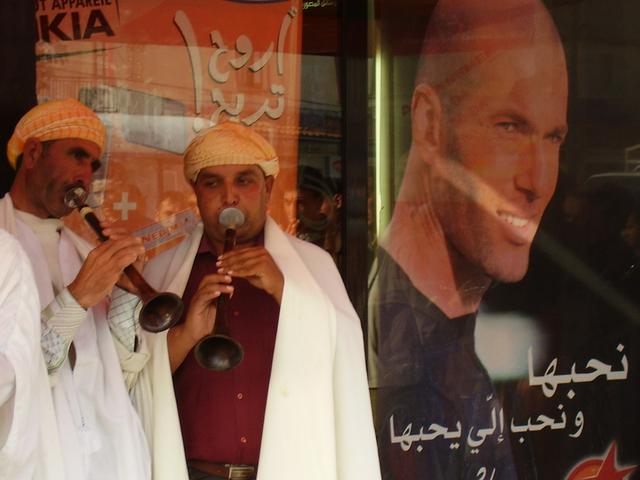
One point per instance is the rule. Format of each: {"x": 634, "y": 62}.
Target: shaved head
{"x": 462, "y": 35}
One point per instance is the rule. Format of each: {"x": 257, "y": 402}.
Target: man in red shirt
{"x": 299, "y": 399}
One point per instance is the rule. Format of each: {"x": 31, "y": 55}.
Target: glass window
{"x": 504, "y": 296}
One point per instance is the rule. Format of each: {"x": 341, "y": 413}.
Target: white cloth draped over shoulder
{"x": 101, "y": 434}
{"x": 318, "y": 423}
{"x": 29, "y": 447}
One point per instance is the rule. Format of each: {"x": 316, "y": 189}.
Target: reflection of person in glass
{"x": 488, "y": 119}
{"x": 318, "y": 210}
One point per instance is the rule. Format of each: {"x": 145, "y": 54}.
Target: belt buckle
{"x": 241, "y": 472}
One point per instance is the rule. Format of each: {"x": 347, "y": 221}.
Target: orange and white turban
{"x": 229, "y": 144}
{"x": 55, "y": 120}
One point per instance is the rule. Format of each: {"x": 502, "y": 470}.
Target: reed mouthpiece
{"x": 231, "y": 217}
{"x": 75, "y": 196}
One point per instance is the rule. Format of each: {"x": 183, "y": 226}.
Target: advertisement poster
{"x": 159, "y": 71}
{"x": 504, "y": 303}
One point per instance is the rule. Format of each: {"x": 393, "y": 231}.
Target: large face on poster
{"x": 472, "y": 380}
{"x": 160, "y": 71}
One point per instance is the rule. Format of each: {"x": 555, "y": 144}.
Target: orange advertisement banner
{"x": 159, "y": 71}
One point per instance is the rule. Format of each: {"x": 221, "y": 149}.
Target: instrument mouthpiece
{"x": 75, "y": 196}
{"x": 231, "y": 217}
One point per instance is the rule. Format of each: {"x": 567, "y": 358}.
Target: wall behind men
{"x": 18, "y": 79}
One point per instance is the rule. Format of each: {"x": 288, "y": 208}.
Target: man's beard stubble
{"x": 466, "y": 224}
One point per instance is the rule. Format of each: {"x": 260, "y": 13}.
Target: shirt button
{"x": 239, "y": 396}
{"x": 243, "y": 439}
{"x": 236, "y": 313}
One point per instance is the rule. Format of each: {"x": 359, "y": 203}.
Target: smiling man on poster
{"x": 488, "y": 118}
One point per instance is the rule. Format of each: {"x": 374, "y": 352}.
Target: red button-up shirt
{"x": 221, "y": 413}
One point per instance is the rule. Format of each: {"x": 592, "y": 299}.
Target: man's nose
{"x": 84, "y": 174}
{"x": 229, "y": 194}
{"x": 537, "y": 170}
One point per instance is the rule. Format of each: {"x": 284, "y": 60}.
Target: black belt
{"x": 224, "y": 470}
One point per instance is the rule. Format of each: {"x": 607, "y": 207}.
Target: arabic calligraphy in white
{"x": 224, "y": 60}
{"x": 550, "y": 381}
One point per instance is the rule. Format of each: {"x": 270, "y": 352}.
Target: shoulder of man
{"x": 310, "y": 251}
{"x": 323, "y": 268}
{"x": 7, "y": 215}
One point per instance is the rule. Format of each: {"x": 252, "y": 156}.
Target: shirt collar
{"x": 40, "y": 224}
{"x": 207, "y": 247}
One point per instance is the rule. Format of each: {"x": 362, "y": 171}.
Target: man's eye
{"x": 556, "y": 138}
{"x": 79, "y": 154}
{"x": 508, "y": 127}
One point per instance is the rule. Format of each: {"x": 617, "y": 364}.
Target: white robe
{"x": 101, "y": 434}
{"x": 318, "y": 423}
{"x": 29, "y": 447}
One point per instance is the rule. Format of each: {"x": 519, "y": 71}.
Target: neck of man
{"x": 20, "y": 198}
{"x": 416, "y": 242}
{"x": 239, "y": 244}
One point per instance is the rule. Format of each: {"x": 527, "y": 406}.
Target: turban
{"x": 229, "y": 144}
{"x": 55, "y": 120}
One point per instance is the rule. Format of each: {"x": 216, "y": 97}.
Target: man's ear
{"x": 426, "y": 119}
{"x": 31, "y": 152}
{"x": 269, "y": 181}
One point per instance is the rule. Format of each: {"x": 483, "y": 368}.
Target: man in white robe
{"x": 29, "y": 446}
{"x": 317, "y": 415}
{"x": 93, "y": 362}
